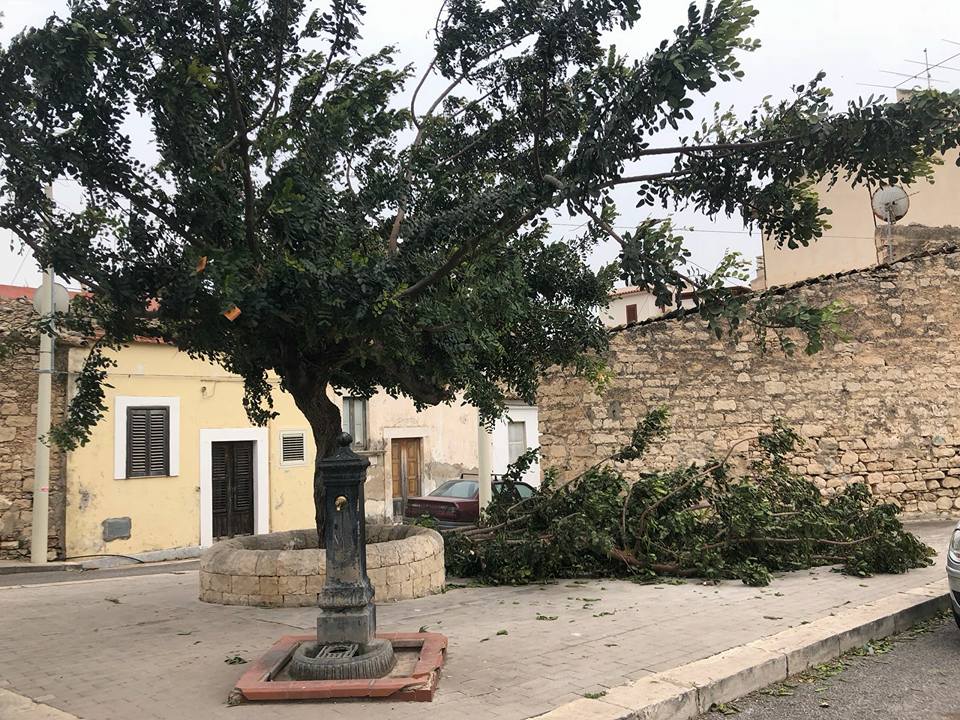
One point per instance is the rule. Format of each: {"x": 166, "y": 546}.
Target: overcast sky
{"x": 852, "y": 40}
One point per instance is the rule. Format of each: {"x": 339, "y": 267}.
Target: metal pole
{"x": 41, "y": 454}
{"x": 483, "y": 464}
{"x": 889, "y": 210}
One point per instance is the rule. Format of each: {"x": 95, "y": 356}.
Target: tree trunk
{"x": 310, "y": 395}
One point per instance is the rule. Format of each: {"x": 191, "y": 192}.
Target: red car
{"x": 456, "y": 503}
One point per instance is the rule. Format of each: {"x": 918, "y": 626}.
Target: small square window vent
{"x": 293, "y": 448}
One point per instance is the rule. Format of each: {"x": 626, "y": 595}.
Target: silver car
{"x": 953, "y": 572}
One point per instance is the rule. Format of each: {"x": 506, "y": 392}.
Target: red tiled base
{"x": 257, "y": 683}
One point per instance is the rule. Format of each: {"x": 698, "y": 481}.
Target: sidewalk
{"x": 144, "y": 647}
{"x": 19, "y": 567}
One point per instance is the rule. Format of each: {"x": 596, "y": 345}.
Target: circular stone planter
{"x": 285, "y": 569}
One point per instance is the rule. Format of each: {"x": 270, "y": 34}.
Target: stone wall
{"x": 18, "y": 422}
{"x": 882, "y": 406}
{"x": 285, "y": 569}
{"x": 910, "y": 239}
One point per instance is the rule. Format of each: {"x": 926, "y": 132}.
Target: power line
{"x": 634, "y": 227}
{"x": 681, "y": 229}
{"x": 19, "y": 268}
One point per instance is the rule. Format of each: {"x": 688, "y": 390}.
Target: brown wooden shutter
{"x": 631, "y": 313}
{"x": 148, "y": 441}
{"x": 137, "y": 451}
{"x": 243, "y": 477}
{"x": 221, "y": 493}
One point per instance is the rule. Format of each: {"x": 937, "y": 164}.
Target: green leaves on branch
{"x": 654, "y": 255}
{"x": 703, "y": 521}
{"x": 86, "y": 407}
{"x": 771, "y": 316}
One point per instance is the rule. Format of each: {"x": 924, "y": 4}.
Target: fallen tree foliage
{"x": 693, "y": 521}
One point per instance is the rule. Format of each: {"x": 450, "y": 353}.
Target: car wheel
{"x": 956, "y": 616}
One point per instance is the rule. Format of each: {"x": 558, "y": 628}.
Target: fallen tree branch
{"x": 748, "y": 527}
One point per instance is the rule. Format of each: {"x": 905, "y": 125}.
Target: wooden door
{"x": 405, "y": 456}
{"x": 232, "y": 488}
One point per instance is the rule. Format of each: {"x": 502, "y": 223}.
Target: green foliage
{"x": 690, "y": 521}
{"x": 286, "y": 224}
{"x": 84, "y": 413}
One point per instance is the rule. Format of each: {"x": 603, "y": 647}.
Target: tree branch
{"x": 688, "y": 482}
{"x": 334, "y": 48}
{"x": 426, "y": 73}
{"x": 416, "y": 91}
{"x": 607, "y": 227}
{"x": 789, "y": 541}
{"x": 458, "y": 256}
{"x": 418, "y": 140}
{"x": 243, "y": 140}
{"x": 35, "y": 248}
{"x": 448, "y": 265}
{"x": 272, "y": 105}
{"x": 693, "y": 149}
{"x": 646, "y": 178}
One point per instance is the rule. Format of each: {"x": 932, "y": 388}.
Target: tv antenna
{"x": 890, "y": 203}
{"x": 912, "y": 82}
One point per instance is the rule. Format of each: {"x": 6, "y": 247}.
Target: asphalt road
{"x": 913, "y": 676}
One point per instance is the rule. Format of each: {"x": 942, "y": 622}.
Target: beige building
{"x": 856, "y": 239}
{"x": 175, "y": 463}
{"x": 633, "y": 304}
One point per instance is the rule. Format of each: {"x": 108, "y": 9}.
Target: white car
{"x": 953, "y": 572}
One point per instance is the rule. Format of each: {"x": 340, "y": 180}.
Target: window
{"x": 148, "y": 441}
{"x": 293, "y": 448}
{"x": 520, "y": 490}
{"x": 355, "y": 421}
{"x": 147, "y": 435}
{"x": 631, "y": 313}
{"x": 516, "y": 440}
{"x": 462, "y": 489}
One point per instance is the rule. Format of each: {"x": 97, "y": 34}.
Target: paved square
{"x": 144, "y": 647}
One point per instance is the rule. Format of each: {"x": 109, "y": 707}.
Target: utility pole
{"x": 41, "y": 455}
{"x": 483, "y": 465}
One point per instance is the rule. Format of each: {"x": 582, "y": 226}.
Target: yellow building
{"x": 175, "y": 463}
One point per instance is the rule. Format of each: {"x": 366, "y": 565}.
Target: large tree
{"x": 311, "y": 211}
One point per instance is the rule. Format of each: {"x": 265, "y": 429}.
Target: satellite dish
{"x": 41, "y": 298}
{"x": 890, "y": 203}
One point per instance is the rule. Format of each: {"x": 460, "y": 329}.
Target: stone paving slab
{"x": 144, "y": 647}
{"x": 17, "y": 707}
{"x": 691, "y": 690}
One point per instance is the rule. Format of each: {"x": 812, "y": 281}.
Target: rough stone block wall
{"x": 882, "y": 406}
{"x": 285, "y": 569}
{"x": 18, "y": 423}
{"x": 911, "y": 238}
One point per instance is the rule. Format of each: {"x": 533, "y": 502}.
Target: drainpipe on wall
{"x": 483, "y": 464}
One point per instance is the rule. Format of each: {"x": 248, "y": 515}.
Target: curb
{"x": 688, "y": 690}
{"x": 16, "y": 567}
